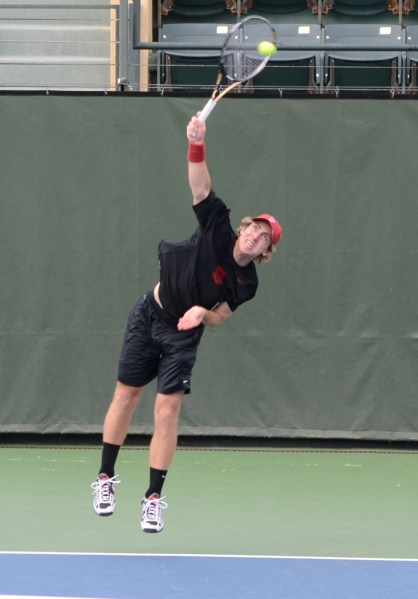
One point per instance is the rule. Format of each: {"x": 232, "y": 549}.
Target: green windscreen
{"x": 329, "y": 346}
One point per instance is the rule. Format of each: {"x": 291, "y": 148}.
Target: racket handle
{"x": 210, "y": 105}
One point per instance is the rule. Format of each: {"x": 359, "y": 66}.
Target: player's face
{"x": 255, "y": 239}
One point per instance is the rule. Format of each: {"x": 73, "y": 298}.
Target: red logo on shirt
{"x": 218, "y": 275}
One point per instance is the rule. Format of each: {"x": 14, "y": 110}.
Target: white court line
{"x": 207, "y": 555}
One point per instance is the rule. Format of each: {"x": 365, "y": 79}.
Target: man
{"x": 202, "y": 281}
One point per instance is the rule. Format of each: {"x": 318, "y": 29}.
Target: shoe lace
{"x": 153, "y": 507}
{"x": 104, "y": 486}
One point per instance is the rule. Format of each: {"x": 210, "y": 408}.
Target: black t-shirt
{"x": 202, "y": 271}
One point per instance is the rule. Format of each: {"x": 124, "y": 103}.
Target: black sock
{"x": 109, "y": 456}
{"x": 156, "y": 481}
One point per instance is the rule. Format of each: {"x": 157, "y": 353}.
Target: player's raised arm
{"x": 199, "y": 178}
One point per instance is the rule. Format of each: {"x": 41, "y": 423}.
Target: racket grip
{"x": 210, "y": 105}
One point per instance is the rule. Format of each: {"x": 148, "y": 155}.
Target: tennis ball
{"x": 266, "y": 48}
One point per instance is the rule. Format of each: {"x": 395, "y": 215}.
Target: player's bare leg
{"x": 164, "y": 441}
{"x": 162, "y": 449}
{"x": 119, "y": 414}
{"x": 118, "y": 418}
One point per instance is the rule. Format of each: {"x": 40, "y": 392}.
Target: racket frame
{"x": 217, "y": 94}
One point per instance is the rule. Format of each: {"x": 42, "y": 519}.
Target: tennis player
{"x": 202, "y": 282}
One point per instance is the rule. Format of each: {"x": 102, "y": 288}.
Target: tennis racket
{"x": 238, "y": 65}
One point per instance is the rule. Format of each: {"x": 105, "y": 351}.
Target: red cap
{"x": 276, "y": 228}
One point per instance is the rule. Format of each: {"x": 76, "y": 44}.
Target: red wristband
{"x": 196, "y": 153}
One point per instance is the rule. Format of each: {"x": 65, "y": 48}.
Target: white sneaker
{"x": 152, "y": 520}
{"x": 104, "y": 502}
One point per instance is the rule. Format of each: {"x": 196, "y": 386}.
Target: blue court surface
{"x": 141, "y": 576}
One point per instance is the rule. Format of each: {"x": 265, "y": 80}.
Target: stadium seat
{"x": 360, "y": 8}
{"x": 365, "y": 70}
{"x": 190, "y": 69}
{"x": 292, "y": 70}
{"x": 196, "y": 9}
{"x": 278, "y": 6}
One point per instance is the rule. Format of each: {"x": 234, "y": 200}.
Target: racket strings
{"x": 251, "y": 64}
{"x": 242, "y": 65}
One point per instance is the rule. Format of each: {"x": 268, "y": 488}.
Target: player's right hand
{"x": 196, "y": 130}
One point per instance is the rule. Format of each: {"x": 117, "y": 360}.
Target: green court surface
{"x": 278, "y": 502}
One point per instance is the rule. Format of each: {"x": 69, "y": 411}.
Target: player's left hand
{"x": 192, "y": 318}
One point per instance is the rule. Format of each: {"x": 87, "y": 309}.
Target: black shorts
{"x": 154, "y": 348}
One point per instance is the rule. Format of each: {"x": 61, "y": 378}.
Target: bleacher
{"x": 325, "y": 47}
